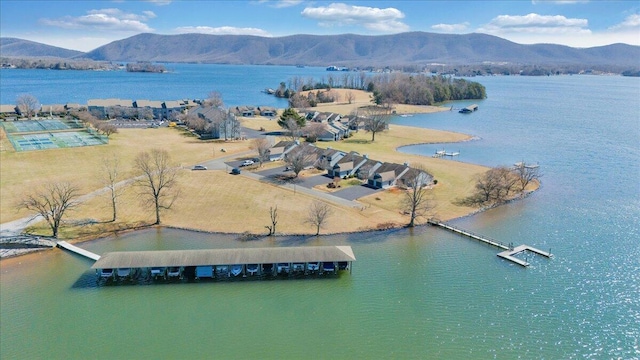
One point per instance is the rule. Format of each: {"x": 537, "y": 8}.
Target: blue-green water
{"x": 424, "y": 293}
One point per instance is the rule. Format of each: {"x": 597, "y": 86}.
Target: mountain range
{"x": 412, "y": 48}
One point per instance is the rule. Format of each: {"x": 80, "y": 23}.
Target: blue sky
{"x": 86, "y": 25}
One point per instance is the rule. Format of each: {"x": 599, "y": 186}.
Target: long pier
{"x": 88, "y": 254}
{"x": 509, "y": 249}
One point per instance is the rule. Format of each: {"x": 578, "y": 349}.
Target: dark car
{"x": 235, "y": 171}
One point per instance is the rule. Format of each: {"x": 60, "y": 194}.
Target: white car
{"x": 199, "y": 167}
{"x": 247, "y": 163}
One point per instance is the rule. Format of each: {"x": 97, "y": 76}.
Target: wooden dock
{"x": 509, "y": 252}
{"x": 88, "y": 254}
{"x": 460, "y": 231}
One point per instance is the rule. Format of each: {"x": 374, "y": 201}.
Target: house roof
{"x": 109, "y": 102}
{"x": 7, "y": 109}
{"x": 146, "y": 259}
{"x": 148, "y": 103}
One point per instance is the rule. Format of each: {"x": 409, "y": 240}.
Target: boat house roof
{"x": 167, "y": 258}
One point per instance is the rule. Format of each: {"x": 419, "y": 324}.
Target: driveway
{"x": 355, "y": 192}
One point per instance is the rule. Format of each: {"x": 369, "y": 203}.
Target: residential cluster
{"x": 340, "y": 164}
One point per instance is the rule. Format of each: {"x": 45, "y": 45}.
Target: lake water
{"x": 421, "y": 293}
{"x": 239, "y": 85}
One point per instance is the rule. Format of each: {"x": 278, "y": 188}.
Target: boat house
{"x": 226, "y": 263}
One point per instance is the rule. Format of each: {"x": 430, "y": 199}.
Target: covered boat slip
{"x": 245, "y": 261}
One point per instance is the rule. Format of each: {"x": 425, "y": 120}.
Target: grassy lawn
{"x": 216, "y": 201}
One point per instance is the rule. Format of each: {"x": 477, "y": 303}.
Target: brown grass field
{"x": 216, "y": 201}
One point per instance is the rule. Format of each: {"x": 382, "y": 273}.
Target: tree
{"x": 262, "y": 146}
{"x": 110, "y": 177}
{"x": 292, "y": 121}
{"x": 214, "y": 99}
{"x": 318, "y": 214}
{"x": 314, "y": 130}
{"x": 107, "y": 129}
{"x": 158, "y": 181}
{"x": 526, "y": 175}
{"x": 298, "y": 159}
{"x": 273, "y": 214}
{"x": 51, "y": 202}
{"x": 376, "y": 119}
{"x": 28, "y": 105}
{"x": 350, "y": 96}
{"x": 416, "y": 201}
{"x": 494, "y": 186}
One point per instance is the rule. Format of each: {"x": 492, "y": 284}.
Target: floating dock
{"x": 509, "y": 252}
{"x": 88, "y": 254}
{"x": 469, "y": 109}
{"x": 518, "y": 249}
{"x": 442, "y": 153}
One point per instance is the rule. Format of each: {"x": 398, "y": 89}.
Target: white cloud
{"x": 380, "y": 20}
{"x": 630, "y": 23}
{"x": 535, "y": 26}
{"x": 105, "y": 19}
{"x": 159, "y": 2}
{"x": 278, "y": 3}
{"x": 536, "y": 29}
{"x": 451, "y": 28}
{"x": 223, "y": 30}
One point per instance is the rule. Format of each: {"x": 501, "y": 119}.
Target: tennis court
{"x": 30, "y": 126}
{"x": 43, "y": 141}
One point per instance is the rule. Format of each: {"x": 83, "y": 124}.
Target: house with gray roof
{"x": 348, "y": 165}
{"x": 386, "y": 175}
{"x": 279, "y": 150}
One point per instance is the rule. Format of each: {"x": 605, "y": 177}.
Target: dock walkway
{"x": 88, "y": 254}
{"x": 509, "y": 252}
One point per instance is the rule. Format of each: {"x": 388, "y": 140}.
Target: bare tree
{"x": 28, "y": 105}
{"x": 376, "y": 119}
{"x": 526, "y": 175}
{"x": 107, "y": 129}
{"x": 298, "y": 159}
{"x": 214, "y": 99}
{"x": 350, "y": 96}
{"x": 314, "y": 130}
{"x": 262, "y": 146}
{"x": 51, "y": 202}
{"x": 417, "y": 201}
{"x": 158, "y": 181}
{"x": 494, "y": 186}
{"x": 273, "y": 214}
{"x": 318, "y": 214}
{"x": 110, "y": 178}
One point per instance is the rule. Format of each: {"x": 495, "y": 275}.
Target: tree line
{"x": 396, "y": 88}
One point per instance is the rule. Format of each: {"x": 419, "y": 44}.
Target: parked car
{"x": 247, "y": 163}
{"x": 199, "y": 167}
{"x": 235, "y": 171}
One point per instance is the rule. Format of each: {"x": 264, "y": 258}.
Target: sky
{"x": 86, "y": 25}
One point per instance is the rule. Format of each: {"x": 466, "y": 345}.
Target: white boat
{"x": 123, "y": 272}
{"x": 106, "y": 273}
{"x": 158, "y": 271}
{"x": 313, "y": 266}
{"x": 236, "y": 269}
{"x": 297, "y": 267}
{"x": 174, "y": 271}
{"x": 252, "y": 269}
{"x": 283, "y": 268}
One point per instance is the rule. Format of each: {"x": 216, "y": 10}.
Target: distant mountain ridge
{"x": 19, "y": 47}
{"x": 412, "y": 48}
